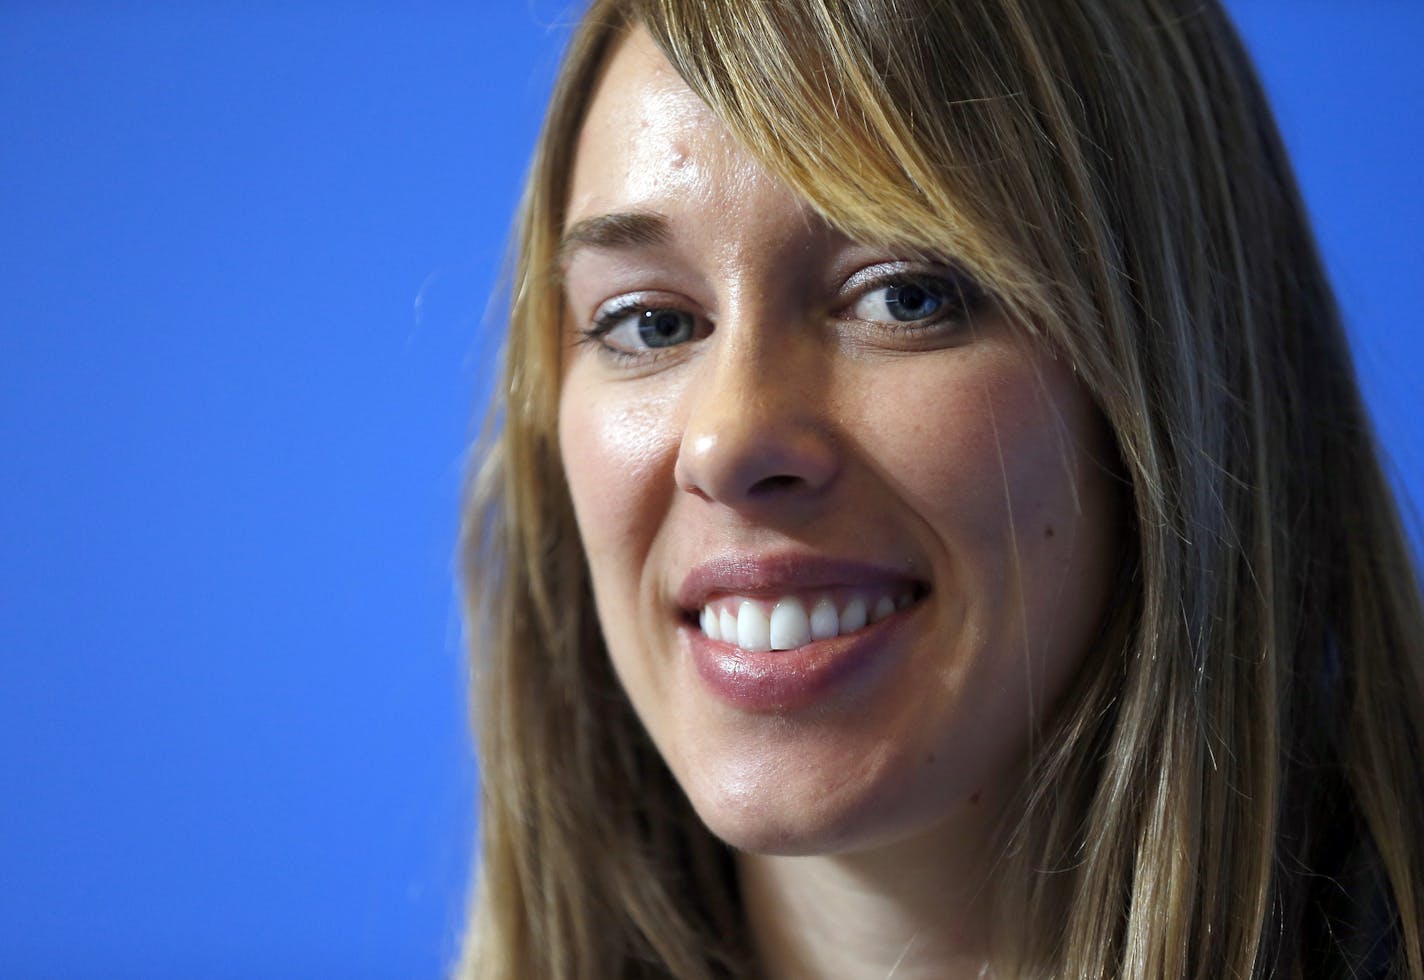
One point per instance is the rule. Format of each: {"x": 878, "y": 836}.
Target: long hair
{"x": 1234, "y": 785}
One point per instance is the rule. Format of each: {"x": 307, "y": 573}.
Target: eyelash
{"x": 959, "y": 295}
{"x": 606, "y": 320}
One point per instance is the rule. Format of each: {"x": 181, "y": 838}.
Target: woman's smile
{"x": 850, "y": 528}
{"x": 780, "y": 632}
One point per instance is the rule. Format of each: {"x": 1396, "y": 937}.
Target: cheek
{"x": 607, "y": 454}
{"x": 945, "y": 459}
{"x": 1057, "y": 524}
{"x": 618, "y": 452}
{"x": 1004, "y": 450}
{"x": 1004, "y": 466}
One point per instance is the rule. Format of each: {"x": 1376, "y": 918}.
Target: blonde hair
{"x": 1233, "y": 788}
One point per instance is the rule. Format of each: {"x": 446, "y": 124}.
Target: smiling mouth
{"x": 789, "y": 622}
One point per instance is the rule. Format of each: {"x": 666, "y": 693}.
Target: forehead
{"x": 649, "y": 141}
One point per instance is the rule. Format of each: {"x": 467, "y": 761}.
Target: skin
{"x": 797, "y": 418}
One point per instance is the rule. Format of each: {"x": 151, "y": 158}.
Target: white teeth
{"x": 853, "y": 615}
{"x": 759, "y": 625}
{"x": 728, "y": 625}
{"x": 753, "y": 628}
{"x": 825, "y": 623}
{"x": 710, "y": 626}
{"x": 789, "y": 626}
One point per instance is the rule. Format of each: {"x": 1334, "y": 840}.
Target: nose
{"x": 757, "y": 430}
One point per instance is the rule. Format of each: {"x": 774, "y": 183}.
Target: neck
{"x": 911, "y": 910}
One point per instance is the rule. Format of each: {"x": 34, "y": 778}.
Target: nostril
{"x": 743, "y": 451}
{"x": 773, "y": 484}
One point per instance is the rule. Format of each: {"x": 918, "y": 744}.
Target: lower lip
{"x": 791, "y": 680}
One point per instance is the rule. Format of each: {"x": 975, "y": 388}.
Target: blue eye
{"x": 900, "y": 302}
{"x": 911, "y": 302}
{"x": 635, "y": 329}
{"x": 664, "y": 328}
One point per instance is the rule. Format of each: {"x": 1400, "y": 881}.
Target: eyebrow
{"x": 621, "y": 229}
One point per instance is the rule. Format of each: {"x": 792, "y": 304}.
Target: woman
{"x": 933, "y": 528}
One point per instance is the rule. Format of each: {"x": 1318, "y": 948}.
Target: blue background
{"x": 247, "y": 254}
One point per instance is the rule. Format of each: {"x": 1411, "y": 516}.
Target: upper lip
{"x": 773, "y": 574}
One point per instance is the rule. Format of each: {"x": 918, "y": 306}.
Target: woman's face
{"x": 850, "y": 531}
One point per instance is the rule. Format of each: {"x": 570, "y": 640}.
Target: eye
{"x": 903, "y": 302}
{"x": 634, "y": 328}
{"x": 910, "y": 300}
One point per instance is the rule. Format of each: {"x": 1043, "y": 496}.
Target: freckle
{"x": 974, "y": 800}
{"x": 929, "y": 758}
{"x": 1048, "y": 531}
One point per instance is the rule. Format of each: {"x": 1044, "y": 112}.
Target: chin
{"x": 781, "y": 817}
{"x": 780, "y": 835}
